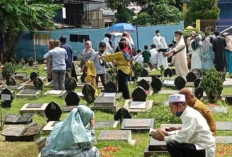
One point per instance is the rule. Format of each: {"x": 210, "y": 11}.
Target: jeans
{"x": 123, "y": 84}
{"x": 103, "y": 79}
{"x": 183, "y": 150}
{"x": 58, "y": 79}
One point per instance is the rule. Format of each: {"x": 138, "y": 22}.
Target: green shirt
{"x": 146, "y": 56}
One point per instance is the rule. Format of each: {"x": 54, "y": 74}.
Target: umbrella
{"x": 122, "y": 27}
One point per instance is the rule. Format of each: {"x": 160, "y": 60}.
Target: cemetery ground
{"x": 159, "y": 112}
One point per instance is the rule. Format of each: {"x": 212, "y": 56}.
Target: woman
{"x": 71, "y": 138}
{"x": 49, "y": 63}
{"x": 195, "y": 47}
{"x": 123, "y": 69}
{"x": 228, "y": 39}
{"x": 91, "y": 75}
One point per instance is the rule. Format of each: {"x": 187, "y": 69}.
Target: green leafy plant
{"x": 161, "y": 70}
{"x": 8, "y": 69}
{"x": 138, "y": 69}
{"x": 113, "y": 73}
{"x": 212, "y": 84}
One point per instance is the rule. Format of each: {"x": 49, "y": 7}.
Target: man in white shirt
{"x": 161, "y": 47}
{"x": 154, "y": 56}
{"x": 139, "y": 57}
{"x": 194, "y": 139}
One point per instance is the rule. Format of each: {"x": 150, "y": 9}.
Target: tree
{"x": 204, "y": 9}
{"x": 20, "y": 15}
{"x": 142, "y": 19}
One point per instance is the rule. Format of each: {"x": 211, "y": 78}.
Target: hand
{"x": 174, "y": 128}
{"x": 165, "y": 54}
{"x": 161, "y": 135}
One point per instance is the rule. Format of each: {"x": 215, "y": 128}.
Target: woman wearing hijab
{"x": 91, "y": 75}
{"x": 49, "y": 63}
{"x": 71, "y": 138}
{"x": 195, "y": 47}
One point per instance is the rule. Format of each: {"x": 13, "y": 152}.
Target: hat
{"x": 176, "y": 98}
{"x": 178, "y": 32}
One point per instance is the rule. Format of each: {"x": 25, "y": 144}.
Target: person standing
{"x": 146, "y": 55}
{"x": 139, "y": 57}
{"x": 194, "y": 139}
{"x": 123, "y": 69}
{"x": 106, "y": 40}
{"x": 154, "y": 56}
{"x": 229, "y": 51}
{"x": 161, "y": 47}
{"x": 195, "y": 47}
{"x": 219, "y": 44}
{"x": 69, "y": 51}
{"x": 58, "y": 56}
{"x": 179, "y": 51}
{"x": 49, "y": 63}
{"x": 100, "y": 64}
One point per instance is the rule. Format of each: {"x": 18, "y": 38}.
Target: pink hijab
{"x": 88, "y": 46}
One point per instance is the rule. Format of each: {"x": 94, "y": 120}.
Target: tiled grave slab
{"x": 59, "y": 93}
{"x": 149, "y": 104}
{"x": 67, "y": 108}
{"x": 34, "y": 107}
{"x": 106, "y": 124}
{"x": 218, "y": 109}
{"x": 49, "y": 126}
{"x": 30, "y": 93}
{"x": 148, "y": 79}
{"x": 19, "y": 119}
{"x": 137, "y": 124}
{"x": 224, "y": 139}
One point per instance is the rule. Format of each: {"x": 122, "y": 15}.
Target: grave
{"x": 224, "y": 126}
{"x": 156, "y": 84}
{"x": 30, "y": 61}
{"x": 144, "y": 73}
{"x": 227, "y": 84}
{"x": 146, "y": 66}
{"x": 21, "y": 76}
{"x": 197, "y": 83}
{"x": 41, "y": 142}
{"x": 139, "y": 102}
{"x": 30, "y": 93}
{"x": 199, "y": 93}
{"x": 7, "y": 98}
{"x": 89, "y": 93}
{"x": 12, "y": 84}
{"x": 34, "y": 75}
{"x": 72, "y": 100}
{"x": 137, "y": 124}
{"x": 34, "y": 108}
{"x": 19, "y": 119}
{"x": 168, "y": 83}
{"x": 53, "y": 112}
{"x": 148, "y": 79}
{"x": 169, "y": 92}
{"x": 218, "y": 109}
{"x": 155, "y": 147}
{"x": 35, "y": 81}
{"x": 106, "y": 124}
{"x": 59, "y": 93}
{"x": 179, "y": 82}
{"x": 228, "y": 99}
{"x": 168, "y": 72}
{"x": 21, "y": 133}
{"x": 111, "y": 91}
{"x": 193, "y": 75}
{"x": 71, "y": 84}
{"x": 144, "y": 84}
{"x": 223, "y": 139}
{"x": 105, "y": 104}
{"x": 116, "y": 135}
{"x": 38, "y": 83}
{"x": 49, "y": 126}
{"x": 121, "y": 114}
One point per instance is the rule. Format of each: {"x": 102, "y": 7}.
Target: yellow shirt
{"x": 206, "y": 113}
{"x": 120, "y": 60}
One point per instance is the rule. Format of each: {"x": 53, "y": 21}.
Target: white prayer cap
{"x": 176, "y": 98}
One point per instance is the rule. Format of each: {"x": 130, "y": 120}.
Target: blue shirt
{"x": 68, "y": 48}
{"x": 58, "y": 56}
{"x": 99, "y": 68}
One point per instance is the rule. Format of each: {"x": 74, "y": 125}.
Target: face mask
{"x": 101, "y": 51}
{"x": 178, "y": 114}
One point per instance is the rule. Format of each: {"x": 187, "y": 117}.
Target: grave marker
{"x": 179, "y": 82}
{"x": 71, "y": 84}
{"x": 7, "y": 98}
{"x": 38, "y": 83}
{"x": 156, "y": 84}
{"x": 34, "y": 75}
{"x": 11, "y": 81}
{"x": 121, "y": 114}
{"x": 19, "y": 119}
{"x": 34, "y": 107}
{"x": 111, "y": 87}
{"x": 89, "y": 93}
{"x": 139, "y": 94}
{"x": 53, "y": 112}
{"x": 137, "y": 124}
{"x": 168, "y": 72}
{"x": 30, "y": 61}
{"x": 144, "y": 84}
{"x": 144, "y": 73}
{"x": 199, "y": 92}
{"x": 193, "y": 75}
{"x": 72, "y": 99}
{"x": 106, "y": 124}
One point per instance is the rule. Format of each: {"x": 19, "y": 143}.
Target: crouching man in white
{"x": 194, "y": 139}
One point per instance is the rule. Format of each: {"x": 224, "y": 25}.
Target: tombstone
{"x": 156, "y": 84}
{"x": 34, "y": 75}
{"x": 11, "y": 81}
{"x": 154, "y": 147}
{"x": 197, "y": 83}
{"x": 193, "y": 75}
{"x": 108, "y": 77}
{"x": 106, "y": 124}
{"x": 179, "y": 82}
{"x": 121, "y": 114}
{"x": 150, "y": 65}
{"x": 30, "y": 61}
{"x": 144, "y": 73}
{"x": 137, "y": 124}
{"x": 49, "y": 126}
{"x": 163, "y": 92}
{"x": 148, "y": 79}
{"x": 224, "y": 126}
{"x": 89, "y": 93}
{"x": 105, "y": 104}
{"x": 223, "y": 139}
{"x": 19, "y": 119}
{"x": 83, "y": 76}
{"x": 59, "y": 93}
{"x": 146, "y": 66}
{"x": 29, "y": 93}
{"x": 168, "y": 72}
{"x": 144, "y": 84}
{"x": 116, "y": 135}
{"x": 199, "y": 92}
{"x": 38, "y": 83}
{"x": 218, "y": 109}
{"x": 111, "y": 87}
{"x": 53, "y": 112}
{"x": 139, "y": 94}
{"x": 72, "y": 99}
{"x": 71, "y": 84}
{"x": 7, "y": 98}
{"x": 33, "y": 107}
{"x": 20, "y": 76}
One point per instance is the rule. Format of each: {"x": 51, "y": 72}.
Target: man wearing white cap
{"x": 194, "y": 139}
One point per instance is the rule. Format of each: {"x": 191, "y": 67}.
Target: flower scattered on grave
{"x": 109, "y": 151}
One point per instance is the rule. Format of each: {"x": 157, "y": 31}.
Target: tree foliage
{"x": 204, "y": 9}
{"x": 19, "y": 15}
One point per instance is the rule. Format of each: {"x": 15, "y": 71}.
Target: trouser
{"x": 68, "y": 74}
{"x": 123, "y": 84}
{"x": 183, "y": 150}
{"x": 103, "y": 79}
{"x": 58, "y": 79}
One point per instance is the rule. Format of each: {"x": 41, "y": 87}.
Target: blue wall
{"x": 226, "y": 10}
{"x": 25, "y": 47}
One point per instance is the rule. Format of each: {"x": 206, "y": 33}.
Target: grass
{"x": 159, "y": 112}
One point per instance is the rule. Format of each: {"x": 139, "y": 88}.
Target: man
{"x": 194, "y": 139}
{"x": 180, "y": 55}
{"x": 146, "y": 55}
{"x": 139, "y": 57}
{"x": 69, "y": 51}
{"x": 99, "y": 64}
{"x": 106, "y": 40}
{"x": 58, "y": 56}
{"x": 219, "y": 45}
{"x": 154, "y": 56}
{"x": 193, "y": 102}
{"x": 161, "y": 47}
{"x": 228, "y": 39}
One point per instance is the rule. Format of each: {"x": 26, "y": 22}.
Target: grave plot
{"x": 137, "y": 124}
{"x": 7, "y": 97}
{"x": 116, "y": 135}
{"x": 155, "y": 147}
{"x": 19, "y": 119}
{"x": 227, "y": 83}
{"x": 31, "y": 83}
{"x": 106, "y": 124}
{"x": 49, "y": 126}
{"x": 59, "y": 93}
{"x": 145, "y": 85}
{"x": 89, "y": 93}
{"x": 139, "y": 102}
{"x": 105, "y": 104}
{"x": 111, "y": 90}
{"x": 223, "y": 139}
{"x": 21, "y": 76}
{"x": 218, "y": 109}
{"x": 72, "y": 100}
{"x": 12, "y": 84}
{"x": 21, "y": 133}
{"x": 34, "y": 108}
{"x": 29, "y": 93}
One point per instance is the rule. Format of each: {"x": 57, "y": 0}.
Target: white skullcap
{"x": 176, "y": 98}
